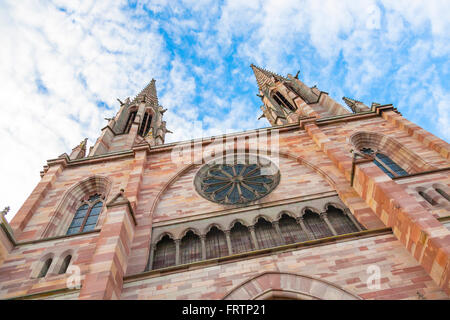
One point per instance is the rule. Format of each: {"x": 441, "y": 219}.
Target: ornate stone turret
{"x": 79, "y": 151}
{"x": 355, "y": 105}
{"x": 137, "y": 121}
{"x": 287, "y": 99}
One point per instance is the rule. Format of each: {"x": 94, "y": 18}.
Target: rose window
{"x": 237, "y": 183}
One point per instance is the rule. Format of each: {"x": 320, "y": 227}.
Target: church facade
{"x": 329, "y": 202}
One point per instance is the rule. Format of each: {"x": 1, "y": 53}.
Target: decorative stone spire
{"x": 355, "y": 105}
{"x": 264, "y": 77}
{"x": 79, "y": 151}
{"x": 148, "y": 94}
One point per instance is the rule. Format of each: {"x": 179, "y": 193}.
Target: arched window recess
{"x": 282, "y": 101}
{"x": 87, "y": 214}
{"x": 145, "y": 124}
{"x": 130, "y": 121}
{"x": 385, "y": 163}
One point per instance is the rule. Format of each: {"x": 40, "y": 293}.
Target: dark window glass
{"x": 443, "y": 193}
{"x": 65, "y": 264}
{"x": 164, "y": 255}
{"x": 45, "y": 268}
{"x": 265, "y": 233}
{"x": 391, "y": 164}
{"x": 86, "y": 217}
{"x": 216, "y": 244}
{"x": 340, "y": 221}
{"x": 282, "y": 101}
{"x": 383, "y": 162}
{"x": 240, "y": 237}
{"x": 291, "y": 230}
{"x": 130, "y": 120}
{"x": 427, "y": 198}
{"x": 190, "y": 248}
{"x": 316, "y": 225}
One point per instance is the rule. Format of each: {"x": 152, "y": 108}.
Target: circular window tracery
{"x": 238, "y": 180}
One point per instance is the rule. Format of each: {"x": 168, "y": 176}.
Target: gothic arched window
{"x": 45, "y": 268}
{"x": 385, "y": 163}
{"x": 65, "y": 264}
{"x": 240, "y": 237}
{"x": 130, "y": 121}
{"x": 442, "y": 193}
{"x": 282, "y": 101}
{"x": 291, "y": 230}
{"x": 216, "y": 243}
{"x": 340, "y": 221}
{"x": 315, "y": 223}
{"x": 86, "y": 216}
{"x": 265, "y": 234}
{"x": 190, "y": 248}
{"x": 164, "y": 253}
{"x": 145, "y": 125}
{"x": 427, "y": 198}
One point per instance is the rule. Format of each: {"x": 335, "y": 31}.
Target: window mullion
{"x": 85, "y": 218}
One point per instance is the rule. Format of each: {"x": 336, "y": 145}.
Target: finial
{"x": 4, "y": 211}
{"x": 83, "y": 143}
{"x": 296, "y": 75}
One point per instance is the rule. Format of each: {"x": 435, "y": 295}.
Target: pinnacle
{"x": 355, "y": 105}
{"x": 263, "y": 76}
{"x": 148, "y": 93}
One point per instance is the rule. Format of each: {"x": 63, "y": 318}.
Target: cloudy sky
{"x": 64, "y": 63}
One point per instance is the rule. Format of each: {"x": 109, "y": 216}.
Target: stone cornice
{"x": 205, "y": 141}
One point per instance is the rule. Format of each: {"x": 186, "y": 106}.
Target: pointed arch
{"x": 392, "y": 153}
{"x": 71, "y": 200}
{"x": 265, "y": 233}
{"x": 284, "y": 285}
{"x": 165, "y": 252}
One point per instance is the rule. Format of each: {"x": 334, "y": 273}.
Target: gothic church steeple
{"x": 287, "y": 99}
{"x": 138, "y": 121}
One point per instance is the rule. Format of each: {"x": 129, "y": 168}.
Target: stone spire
{"x": 264, "y": 77}
{"x": 79, "y": 151}
{"x": 355, "y": 105}
{"x": 148, "y": 94}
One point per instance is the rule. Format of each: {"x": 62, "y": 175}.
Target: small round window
{"x": 237, "y": 179}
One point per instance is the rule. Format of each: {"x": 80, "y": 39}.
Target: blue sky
{"x": 64, "y": 63}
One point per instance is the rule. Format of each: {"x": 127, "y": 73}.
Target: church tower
{"x": 286, "y": 100}
{"x": 138, "y": 121}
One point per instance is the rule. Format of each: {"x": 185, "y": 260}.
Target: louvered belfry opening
{"x": 266, "y": 235}
{"x": 190, "y": 248}
{"x": 430, "y": 200}
{"x": 241, "y": 240}
{"x": 165, "y": 253}
{"x": 316, "y": 225}
{"x": 291, "y": 231}
{"x": 282, "y": 101}
{"x": 145, "y": 125}
{"x": 130, "y": 121}
{"x": 215, "y": 243}
{"x": 341, "y": 223}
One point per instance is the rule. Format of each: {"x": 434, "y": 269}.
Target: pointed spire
{"x": 79, "y": 151}
{"x": 355, "y": 105}
{"x": 264, "y": 77}
{"x": 147, "y": 94}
